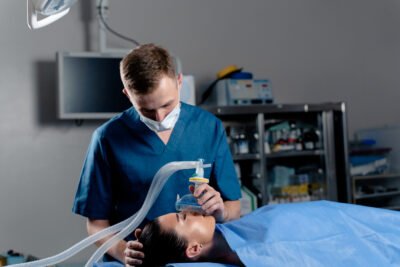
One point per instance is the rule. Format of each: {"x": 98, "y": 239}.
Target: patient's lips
{"x": 192, "y": 212}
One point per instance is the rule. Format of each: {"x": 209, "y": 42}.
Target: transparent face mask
{"x": 188, "y": 202}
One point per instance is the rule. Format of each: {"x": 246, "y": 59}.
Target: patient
{"x": 185, "y": 237}
{"x": 319, "y": 233}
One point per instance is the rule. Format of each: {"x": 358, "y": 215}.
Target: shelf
{"x": 376, "y": 195}
{"x": 274, "y": 108}
{"x": 246, "y": 157}
{"x": 283, "y": 154}
{"x": 378, "y": 176}
{"x": 392, "y": 208}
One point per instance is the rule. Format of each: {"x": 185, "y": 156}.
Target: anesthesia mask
{"x": 188, "y": 202}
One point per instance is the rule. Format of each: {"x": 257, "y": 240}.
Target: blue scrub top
{"x": 125, "y": 154}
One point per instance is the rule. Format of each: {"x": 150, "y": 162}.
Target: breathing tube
{"x": 123, "y": 228}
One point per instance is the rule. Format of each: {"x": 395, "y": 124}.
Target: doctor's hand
{"x": 210, "y": 201}
{"x": 133, "y": 253}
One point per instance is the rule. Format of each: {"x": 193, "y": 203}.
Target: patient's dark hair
{"x": 161, "y": 247}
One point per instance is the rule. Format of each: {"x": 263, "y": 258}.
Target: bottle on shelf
{"x": 253, "y": 142}
{"x": 292, "y": 137}
{"x": 267, "y": 148}
{"x": 310, "y": 139}
{"x": 299, "y": 140}
{"x": 240, "y": 142}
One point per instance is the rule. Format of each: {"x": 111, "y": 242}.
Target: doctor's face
{"x": 160, "y": 102}
{"x": 190, "y": 226}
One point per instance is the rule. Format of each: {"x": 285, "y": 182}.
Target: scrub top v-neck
{"x": 156, "y": 140}
{"x": 125, "y": 154}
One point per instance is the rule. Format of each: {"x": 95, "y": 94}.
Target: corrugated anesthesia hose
{"x": 125, "y": 227}
{"x": 158, "y": 183}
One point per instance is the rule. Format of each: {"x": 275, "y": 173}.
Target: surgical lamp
{"x": 49, "y": 10}
{"x": 41, "y": 13}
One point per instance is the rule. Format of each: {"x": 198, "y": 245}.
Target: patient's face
{"x": 190, "y": 226}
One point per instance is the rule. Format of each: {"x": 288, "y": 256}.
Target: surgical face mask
{"x": 166, "y": 124}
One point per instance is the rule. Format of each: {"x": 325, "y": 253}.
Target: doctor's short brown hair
{"x": 142, "y": 69}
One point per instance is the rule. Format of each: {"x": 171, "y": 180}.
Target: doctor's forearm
{"x": 232, "y": 210}
{"x": 116, "y": 251}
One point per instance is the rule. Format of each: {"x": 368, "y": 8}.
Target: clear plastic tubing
{"x": 125, "y": 227}
{"x": 158, "y": 183}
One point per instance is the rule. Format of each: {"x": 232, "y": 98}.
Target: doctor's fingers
{"x": 133, "y": 257}
{"x": 213, "y": 206}
{"x": 213, "y": 196}
{"x": 135, "y": 245}
{"x": 202, "y": 189}
{"x": 216, "y": 202}
{"x": 131, "y": 261}
{"x": 134, "y": 254}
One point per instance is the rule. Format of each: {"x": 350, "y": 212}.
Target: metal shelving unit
{"x": 246, "y": 157}
{"x": 386, "y": 193}
{"x": 317, "y": 152}
{"x": 331, "y": 157}
{"x": 378, "y": 195}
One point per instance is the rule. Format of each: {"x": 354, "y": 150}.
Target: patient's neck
{"x": 219, "y": 251}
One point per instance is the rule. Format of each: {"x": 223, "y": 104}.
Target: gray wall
{"x": 312, "y": 50}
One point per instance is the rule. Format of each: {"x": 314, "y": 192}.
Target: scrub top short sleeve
{"x": 95, "y": 182}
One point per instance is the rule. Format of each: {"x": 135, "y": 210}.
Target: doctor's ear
{"x": 179, "y": 80}
{"x": 125, "y": 92}
{"x": 194, "y": 250}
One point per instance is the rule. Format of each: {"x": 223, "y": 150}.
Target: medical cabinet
{"x": 289, "y": 152}
{"x": 376, "y": 183}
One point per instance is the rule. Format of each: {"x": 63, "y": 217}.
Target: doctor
{"x": 127, "y": 151}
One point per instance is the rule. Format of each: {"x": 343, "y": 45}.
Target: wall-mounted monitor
{"x": 89, "y": 85}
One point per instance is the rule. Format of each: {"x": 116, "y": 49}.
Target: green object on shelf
{"x": 248, "y": 201}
